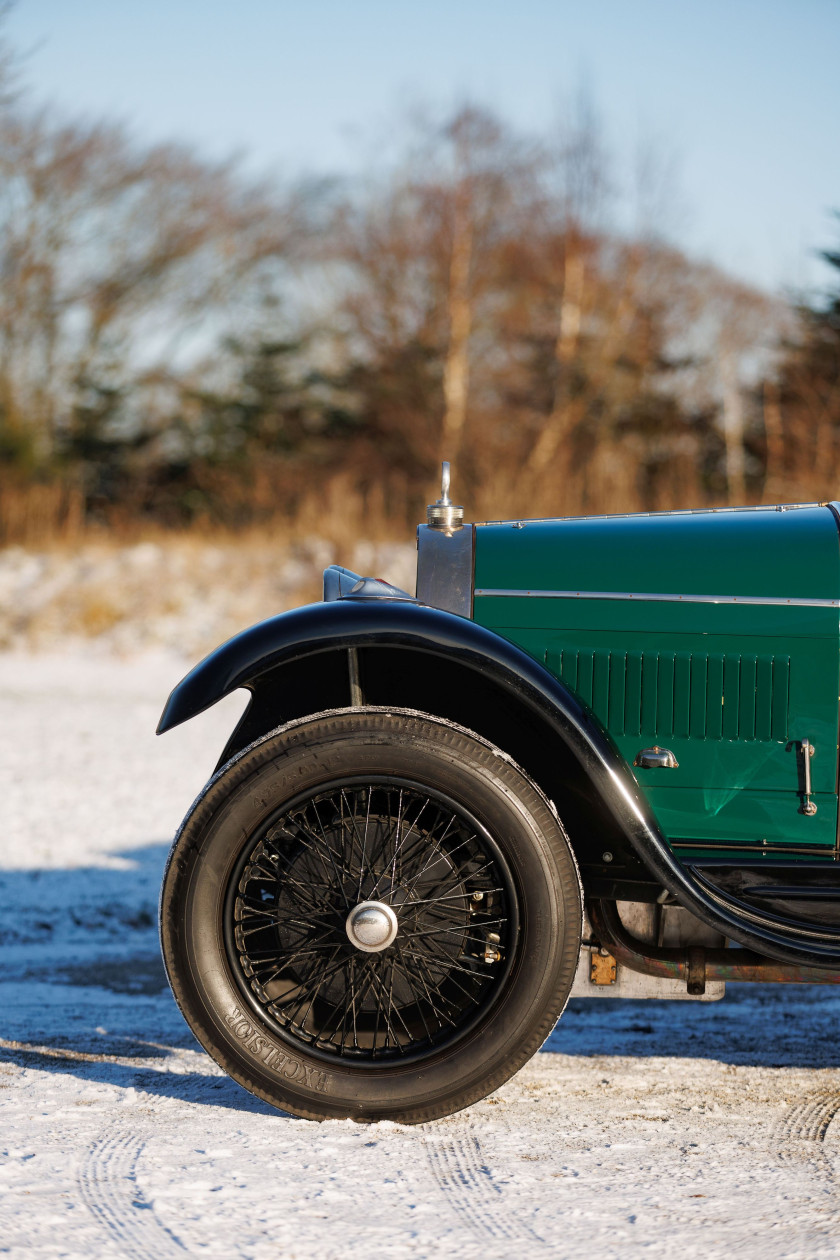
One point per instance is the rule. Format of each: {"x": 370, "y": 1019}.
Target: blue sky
{"x": 745, "y": 94}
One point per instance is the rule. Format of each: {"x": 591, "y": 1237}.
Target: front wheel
{"x": 373, "y": 915}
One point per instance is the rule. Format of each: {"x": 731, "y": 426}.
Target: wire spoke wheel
{"x": 373, "y": 915}
{"x": 372, "y": 920}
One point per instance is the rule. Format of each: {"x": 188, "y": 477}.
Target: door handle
{"x": 656, "y": 758}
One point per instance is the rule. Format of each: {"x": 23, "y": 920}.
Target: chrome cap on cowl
{"x": 445, "y": 514}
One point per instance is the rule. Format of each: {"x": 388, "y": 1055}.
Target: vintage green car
{"x": 592, "y": 756}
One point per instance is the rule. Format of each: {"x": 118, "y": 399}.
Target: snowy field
{"x": 642, "y": 1129}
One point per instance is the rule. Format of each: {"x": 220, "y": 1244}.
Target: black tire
{"x": 303, "y": 826}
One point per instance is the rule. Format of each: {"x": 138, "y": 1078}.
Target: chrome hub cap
{"x": 371, "y": 926}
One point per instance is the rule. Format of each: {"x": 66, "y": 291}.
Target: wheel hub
{"x": 371, "y": 926}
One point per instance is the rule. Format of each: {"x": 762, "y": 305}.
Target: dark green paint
{"x": 791, "y": 553}
{"x": 726, "y": 687}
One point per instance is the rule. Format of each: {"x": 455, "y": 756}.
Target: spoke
{"x": 319, "y": 837}
{"x": 270, "y": 875}
{"x": 342, "y": 834}
{"x": 448, "y": 978}
{"x": 315, "y": 850}
{"x": 358, "y": 999}
{"x": 430, "y": 1000}
{"x": 449, "y": 931}
{"x": 288, "y": 882}
{"x": 375, "y": 980}
{"x": 384, "y": 828}
{"x": 274, "y": 952}
{"x": 278, "y": 966}
{"x": 303, "y": 831}
{"x": 419, "y": 1004}
{"x": 456, "y": 875}
{"x": 397, "y": 842}
{"x": 386, "y": 1012}
{"x": 342, "y": 1019}
{"x": 304, "y": 986}
{"x": 422, "y": 901}
{"x": 393, "y": 1010}
{"x": 401, "y": 841}
{"x": 262, "y": 958}
{"x": 320, "y": 934}
{"x": 360, "y": 995}
{"x": 446, "y": 967}
{"x": 386, "y": 837}
{"x": 338, "y": 882}
{"x": 352, "y": 1006}
{"x": 340, "y": 855}
{"x": 447, "y": 857}
{"x": 355, "y": 830}
{"x": 363, "y": 863}
{"x": 429, "y": 914}
{"x": 419, "y": 847}
{"x": 325, "y": 975}
{"x": 421, "y": 843}
{"x": 287, "y": 918}
{"x": 304, "y": 893}
{"x": 341, "y": 1026}
{"x": 283, "y": 962}
{"x": 283, "y": 917}
{"x": 318, "y": 942}
{"x": 302, "y": 937}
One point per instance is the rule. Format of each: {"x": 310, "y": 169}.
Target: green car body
{"x": 714, "y": 633}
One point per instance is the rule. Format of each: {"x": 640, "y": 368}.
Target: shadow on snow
{"x": 84, "y": 992}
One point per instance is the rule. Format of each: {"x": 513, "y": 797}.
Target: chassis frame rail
{"x": 692, "y": 963}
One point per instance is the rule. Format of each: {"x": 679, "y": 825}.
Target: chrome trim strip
{"x": 776, "y": 601}
{"x": 622, "y": 516}
{"x": 757, "y": 847}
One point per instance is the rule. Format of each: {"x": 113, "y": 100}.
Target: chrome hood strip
{"x": 775, "y": 600}
{"x": 520, "y": 523}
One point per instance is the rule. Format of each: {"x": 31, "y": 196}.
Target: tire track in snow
{"x": 108, "y": 1186}
{"x": 801, "y": 1136}
{"x": 469, "y": 1186}
{"x": 807, "y": 1121}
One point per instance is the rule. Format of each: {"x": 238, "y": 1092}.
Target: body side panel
{"x": 729, "y": 688}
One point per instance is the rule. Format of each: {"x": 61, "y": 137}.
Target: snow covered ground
{"x": 642, "y": 1129}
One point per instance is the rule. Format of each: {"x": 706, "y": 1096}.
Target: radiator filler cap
{"x": 445, "y": 514}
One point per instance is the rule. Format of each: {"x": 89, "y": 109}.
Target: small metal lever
{"x": 807, "y": 750}
{"x": 656, "y": 758}
{"x": 804, "y": 750}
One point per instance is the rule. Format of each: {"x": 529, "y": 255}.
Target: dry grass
{"x": 334, "y": 509}
{"x": 181, "y": 592}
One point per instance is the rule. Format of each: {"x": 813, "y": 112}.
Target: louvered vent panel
{"x": 668, "y": 694}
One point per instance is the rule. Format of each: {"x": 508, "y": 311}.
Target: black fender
{"x": 348, "y": 623}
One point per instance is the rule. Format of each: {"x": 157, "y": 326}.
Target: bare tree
{"x": 108, "y": 253}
